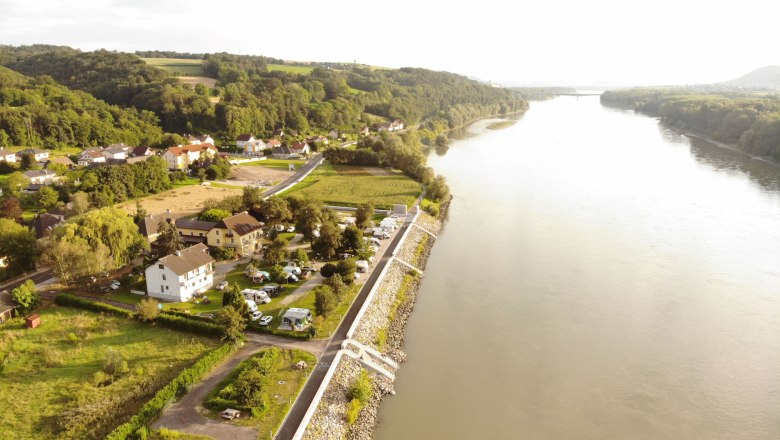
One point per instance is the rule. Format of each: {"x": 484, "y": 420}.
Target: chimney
{"x": 178, "y": 253}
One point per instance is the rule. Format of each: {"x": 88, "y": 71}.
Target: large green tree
{"x": 17, "y": 246}
{"x": 26, "y": 296}
{"x": 169, "y": 240}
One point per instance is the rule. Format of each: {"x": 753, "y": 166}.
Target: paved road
{"x": 301, "y": 405}
{"x": 37, "y": 277}
{"x": 310, "y": 165}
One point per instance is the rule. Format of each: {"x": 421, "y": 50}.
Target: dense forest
{"x": 41, "y": 112}
{"x": 254, "y": 99}
{"x": 750, "y": 123}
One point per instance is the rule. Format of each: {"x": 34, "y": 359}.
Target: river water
{"x": 599, "y": 277}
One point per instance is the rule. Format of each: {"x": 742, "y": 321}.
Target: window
{"x": 201, "y": 234}
{"x": 164, "y": 279}
{"x": 160, "y": 266}
{"x": 166, "y": 288}
{"x": 218, "y": 241}
{"x": 162, "y": 288}
{"x": 217, "y": 231}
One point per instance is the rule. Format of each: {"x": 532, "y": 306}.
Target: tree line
{"x": 751, "y": 124}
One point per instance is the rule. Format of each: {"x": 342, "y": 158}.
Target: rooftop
{"x": 187, "y": 260}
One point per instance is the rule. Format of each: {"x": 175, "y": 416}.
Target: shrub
{"x": 147, "y": 309}
{"x": 188, "y": 324}
{"x": 353, "y": 410}
{"x": 73, "y": 339}
{"x": 324, "y": 300}
{"x": 25, "y": 296}
{"x": 430, "y": 207}
{"x": 361, "y": 389}
{"x": 66, "y": 299}
{"x": 223, "y": 253}
{"x": 115, "y": 364}
{"x": 100, "y": 379}
{"x": 328, "y": 270}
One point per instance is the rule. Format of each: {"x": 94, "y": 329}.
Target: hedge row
{"x": 188, "y": 324}
{"x": 66, "y": 299}
{"x": 257, "y": 328}
{"x": 187, "y": 315}
{"x": 175, "y": 389}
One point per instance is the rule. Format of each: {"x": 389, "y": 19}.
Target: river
{"x": 599, "y": 277}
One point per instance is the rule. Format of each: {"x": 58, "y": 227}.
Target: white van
{"x": 251, "y": 305}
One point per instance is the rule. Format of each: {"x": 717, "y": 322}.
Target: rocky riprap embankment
{"x": 330, "y": 420}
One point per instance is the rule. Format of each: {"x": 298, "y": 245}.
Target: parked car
{"x": 291, "y": 228}
{"x": 257, "y": 314}
{"x": 223, "y": 285}
{"x": 231, "y": 414}
{"x": 115, "y": 285}
{"x": 266, "y": 320}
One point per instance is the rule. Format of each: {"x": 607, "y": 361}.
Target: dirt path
{"x": 185, "y": 415}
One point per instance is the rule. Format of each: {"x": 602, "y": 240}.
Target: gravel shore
{"x": 329, "y": 420}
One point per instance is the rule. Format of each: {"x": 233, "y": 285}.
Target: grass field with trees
{"x": 80, "y": 374}
{"x": 353, "y": 186}
{"x": 263, "y": 387}
{"x": 177, "y": 66}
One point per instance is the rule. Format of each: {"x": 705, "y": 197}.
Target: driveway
{"x": 185, "y": 415}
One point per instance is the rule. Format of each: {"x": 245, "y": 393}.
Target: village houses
{"x": 197, "y": 140}
{"x": 37, "y": 154}
{"x": 181, "y": 157}
{"x": 7, "y": 155}
{"x": 181, "y": 275}
{"x": 41, "y": 177}
{"x": 240, "y": 231}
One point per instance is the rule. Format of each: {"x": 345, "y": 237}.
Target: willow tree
{"x": 109, "y": 227}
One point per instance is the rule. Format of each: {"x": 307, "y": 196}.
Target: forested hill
{"x": 751, "y": 124}
{"x": 253, "y": 98}
{"x": 41, "y": 112}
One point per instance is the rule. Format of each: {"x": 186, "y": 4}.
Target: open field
{"x": 304, "y": 70}
{"x": 353, "y": 186}
{"x": 178, "y": 66}
{"x": 283, "y": 384}
{"x": 184, "y": 200}
{"x": 66, "y": 151}
{"x": 251, "y": 173}
{"x": 47, "y": 379}
{"x": 278, "y": 164}
{"x": 193, "y": 80}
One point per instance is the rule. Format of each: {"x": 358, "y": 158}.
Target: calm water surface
{"x": 600, "y": 277}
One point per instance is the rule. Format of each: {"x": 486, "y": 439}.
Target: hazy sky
{"x": 658, "y": 42}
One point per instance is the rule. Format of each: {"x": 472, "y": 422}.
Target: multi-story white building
{"x": 177, "y": 277}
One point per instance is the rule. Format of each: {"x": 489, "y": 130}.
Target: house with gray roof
{"x": 181, "y": 275}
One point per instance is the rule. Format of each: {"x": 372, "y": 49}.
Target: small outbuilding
{"x": 32, "y": 321}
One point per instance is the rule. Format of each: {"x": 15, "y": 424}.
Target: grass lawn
{"x": 46, "y": 380}
{"x": 180, "y": 66}
{"x": 276, "y": 163}
{"x": 122, "y": 295}
{"x": 283, "y": 384}
{"x": 353, "y": 186}
{"x": 186, "y": 182}
{"x": 326, "y": 329}
{"x": 225, "y": 185}
{"x": 236, "y": 276}
{"x": 304, "y": 70}
{"x": 66, "y": 151}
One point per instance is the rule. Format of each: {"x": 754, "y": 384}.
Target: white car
{"x": 115, "y": 285}
{"x": 222, "y": 285}
{"x": 257, "y": 314}
{"x": 265, "y": 320}
{"x": 291, "y": 228}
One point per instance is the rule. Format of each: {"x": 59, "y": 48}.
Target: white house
{"x": 177, "y": 277}
{"x": 38, "y": 154}
{"x": 244, "y": 139}
{"x": 180, "y": 158}
{"x": 7, "y": 156}
{"x": 301, "y": 148}
{"x": 116, "y": 151}
{"x": 41, "y": 177}
{"x": 90, "y": 156}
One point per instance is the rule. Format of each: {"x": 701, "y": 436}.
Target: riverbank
{"x": 381, "y": 328}
{"x": 726, "y": 146}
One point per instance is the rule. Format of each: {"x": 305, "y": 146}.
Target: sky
{"x": 548, "y": 41}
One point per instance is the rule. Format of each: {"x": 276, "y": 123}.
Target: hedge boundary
{"x": 172, "y": 392}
